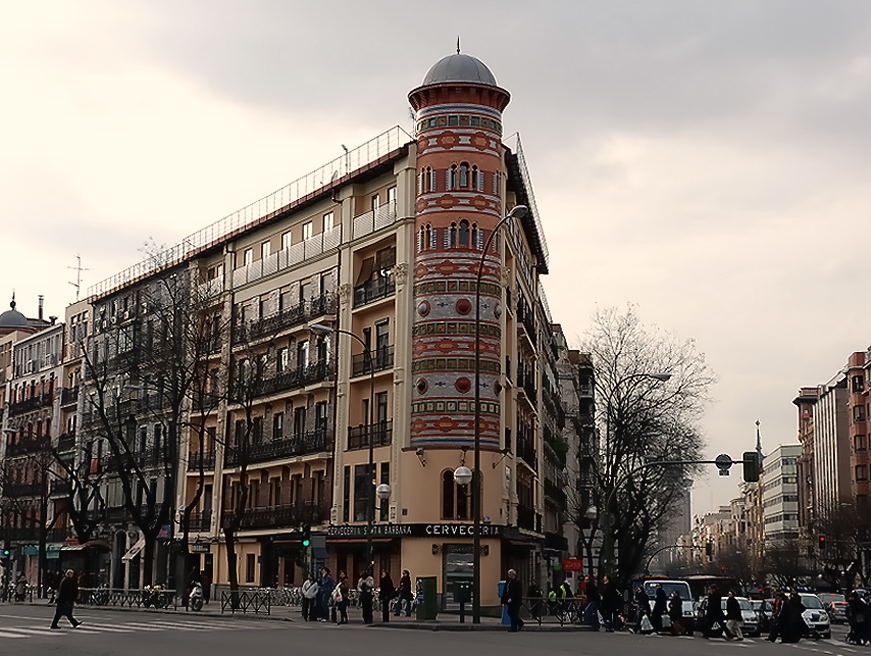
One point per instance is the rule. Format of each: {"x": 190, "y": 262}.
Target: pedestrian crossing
{"x": 101, "y": 626}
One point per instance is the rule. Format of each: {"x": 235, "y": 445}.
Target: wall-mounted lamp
{"x": 421, "y": 455}
{"x": 504, "y": 453}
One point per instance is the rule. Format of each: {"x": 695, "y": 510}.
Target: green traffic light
{"x": 306, "y": 543}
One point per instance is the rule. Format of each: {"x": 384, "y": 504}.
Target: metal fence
{"x": 144, "y": 598}
{"x": 246, "y": 601}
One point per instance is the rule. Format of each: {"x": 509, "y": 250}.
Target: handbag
{"x": 646, "y": 625}
{"x": 337, "y": 594}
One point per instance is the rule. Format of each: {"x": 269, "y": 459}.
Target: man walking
{"x": 733, "y": 616}
{"x": 67, "y": 593}
{"x": 512, "y": 597}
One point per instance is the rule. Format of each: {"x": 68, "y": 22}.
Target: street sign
{"x": 724, "y": 463}
{"x": 573, "y": 565}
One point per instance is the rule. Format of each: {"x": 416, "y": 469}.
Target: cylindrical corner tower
{"x": 460, "y": 190}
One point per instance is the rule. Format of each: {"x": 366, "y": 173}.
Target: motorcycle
{"x": 195, "y": 598}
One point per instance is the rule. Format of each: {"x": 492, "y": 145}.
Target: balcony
{"x": 526, "y": 451}
{"x": 69, "y": 395}
{"x": 61, "y": 487}
{"x": 555, "y": 493}
{"x": 317, "y": 372}
{"x": 292, "y": 515}
{"x": 26, "y": 446}
{"x": 27, "y": 405}
{"x": 213, "y": 344}
{"x": 373, "y": 220}
{"x": 297, "y": 315}
{"x": 67, "y": 441}
{"x": 316, "y": 441}
{"x": 527, "y": 319}
{"x": 528, "y": 519}
{"x": 201, "y": 522}
{"x": 145, "y": 459}
{"x": 374, "y": 290}
{"x": 381, "y": 434}
{"x": 19, "y": 490}
{"x": 206, "y": 403}
{"x": 382, "y": 359}
{"x": 207, "y": 459}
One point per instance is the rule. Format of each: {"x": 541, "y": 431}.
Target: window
{"x": 302, "y": 355}
{"x": 385, "y": 503}
{"x": 262, "y": 307}
{"x": 391, "y": 195}
{"x": 420, "y": 179}
{"x": 327, "y": 224}
{"x": 346, "y": 495}
{"x": 429, "y": 241}
{"x": 248, "y": 256}
{"x": 282, "y": 359}
{"x": 284, "y": 300}
{"x": 431, "y": 179}
{"x": 497, "y": 183}
{"x": 321, "y": 418}
{"x": 265, "y": 250}
{"x": 307, "y": 228}
{"x": 382, "y": 337}
{"x": 257, "y": 430}
{"x": 455, "y": 498}
{"x": 375, "y": 202}
{"x": 464, "y": 175}
{"x": 861, "y": 472}
{"x": 476, "y": 237}
{"x": 304, "y": 292}
{"x": 286, "y": 240}
{"x": 278, "y": 426}
{"x": 381, "y": 407}
{"x": 451, "y": 177}
{"x": 859, "y": 442}
{"x": 249, "y": 568}
{"x": 362, "y": 492}
{"x": 464, "y": 233}
{"x": 452, "y": 235}
{"x": 858, "y": 413}
{"x": 299, "y": 421}
{"x": 858, "y": 383}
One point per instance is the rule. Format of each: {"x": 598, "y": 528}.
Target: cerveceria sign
{"x": 414, "y": 531}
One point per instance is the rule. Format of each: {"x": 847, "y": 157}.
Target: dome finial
{"x": 12, "y": 303}
{"x": 458, "y": 44}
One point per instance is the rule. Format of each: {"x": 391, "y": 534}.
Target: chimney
{"x": 40, "y": 307}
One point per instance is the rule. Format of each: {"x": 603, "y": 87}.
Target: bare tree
{"x": 783, "y": 563}
{"x": 640, "y": 418}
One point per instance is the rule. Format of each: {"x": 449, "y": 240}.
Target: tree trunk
{"x": 148, "y": 554}
{"x": 232, "y": 571}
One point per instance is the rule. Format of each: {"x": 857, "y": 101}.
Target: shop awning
{"x": 133, "y": 551}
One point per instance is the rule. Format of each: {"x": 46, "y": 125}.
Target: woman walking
{"x": 340, "y": 599}
{"x": 365, "y": 586}
{"x": 67, "y": 593}
{"x": 386, "y": 592}
{"x": 405, "y": 596}
{"x": 675, "y": 614}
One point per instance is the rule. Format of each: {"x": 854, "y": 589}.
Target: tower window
{"x": 451, "y": 182}
{"x": 420, "y": 239}
{"x": 429, "y": 241}
{"x": 452, "y": 235}
{"x": 464, "y": 175}
{"x": 430, "y": 179}
{"x": 464, "y": 233}
{"x": 477, "y": 179}
{"x": 475, "y": 236}
{"x": 420, "y": 179}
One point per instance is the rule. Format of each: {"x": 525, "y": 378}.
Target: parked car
{"x": 683, "y": 589}
{"x": 815, "y": 615}
{"x": 835, "y": 605}
{"x": 749, "y": 617}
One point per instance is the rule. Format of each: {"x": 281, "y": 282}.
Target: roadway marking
{"x": 4, "y": 634}
{"x": 44, "y": 632}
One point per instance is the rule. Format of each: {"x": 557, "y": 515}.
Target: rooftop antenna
{"x": 78, "y": 269}
{"x": 758, "y": 440}
{"x": 458, "y": 45}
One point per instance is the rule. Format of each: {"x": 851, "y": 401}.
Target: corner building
{"x": 384, "y": 243}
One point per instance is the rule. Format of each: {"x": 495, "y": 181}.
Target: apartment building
{"x": 348, "y": 298}
{"x": 780, "y": 494}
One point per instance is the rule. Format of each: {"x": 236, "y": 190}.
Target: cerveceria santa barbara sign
{"x": 414, "y": 531}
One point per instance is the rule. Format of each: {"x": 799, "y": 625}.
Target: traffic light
{"x": 306, "y": 536}
{"x": 709, "y": 549}
{"x": 751, "y": 466}
{"x": 822, "y": 543}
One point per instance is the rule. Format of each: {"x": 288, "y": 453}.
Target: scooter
{"x": 195, "y": 599}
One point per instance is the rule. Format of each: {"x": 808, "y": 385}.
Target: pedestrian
{"x": 207, "y": 586}
{"x": 660, "y": 607}
{"x": 857, "y": 616}
{"x": 610, "y": 603}
{"x": 512, "y": 598}
{"x": 778, "y": 617}
{"x": 20, "y": 587}
{"x": 714, "y": 616}
{"x": 326, "y": 585}
{"x": 675, "y": 614}
{"x": 386, "y": 593}
{"x": 67, "y": 593}
{"x": 642, "y": 602}
{"x": 405, "y": 596}
{"x": 536, "y": 605}
{"x": 366, "y": 586}
{"x": 310, "y": 590}
{"x": 591, "y": 611}
{"x": 733, "y": 616}
{"x": 793, "y": 622}
{"x": 340, "y": 599}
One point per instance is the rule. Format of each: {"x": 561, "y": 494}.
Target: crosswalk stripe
{"x": 47, "y": 632}
{"x": 4, "y": 634}
{"x": 139, "y": 627}
{"x": 110, "y": 629}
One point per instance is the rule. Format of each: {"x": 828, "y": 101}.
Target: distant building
{"x": 780, "y": 494}
{"x": 675, "y": 524}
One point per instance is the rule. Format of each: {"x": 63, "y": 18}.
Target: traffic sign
{"x": 573, "y": 564}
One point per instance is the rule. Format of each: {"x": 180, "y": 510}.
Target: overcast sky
{"x": 709, "y": 161}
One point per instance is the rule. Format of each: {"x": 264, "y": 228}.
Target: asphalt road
{"x": 24, "y": 631}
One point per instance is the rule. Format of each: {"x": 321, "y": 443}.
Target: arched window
{"x": 448, "y": 497}
{"x": 464, "y": 501}
{"x": 464, "y": 175}
{"x": 420, "y": 182}
{"x": 452, "y": 240}
{"x": 421, "y": 244}
{"x": 452, "y": 177}
{"x": 430, "y": 179}
{"x": 464, "y": 233}
{"x": 475, "y": 243}
{"x": 428, "y": 238}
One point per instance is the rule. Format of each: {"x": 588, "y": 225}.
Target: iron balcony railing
{"x": 317, "y": 372}
{"x": 29, "y": 445}
{"x": 291, "y": 515}
{"x": 69, "y": 395}
{"x": 528, "y": 519}
{"x": 61, "y": 487}
{"x": 316, "y": 441}
{"x": 374, "y": 290}
{"x": 380, "y": 433}
{"x": 201, "y": 521}
{"x": 555, "y": 492}
{"x": 207, "y": 459}
{"x": 382, "y": 358}
{"x": 67, "y": 441}
{"x": 526, "y": 451}
{"x": 297, "y": 315}
{"x": 33, "y": 403}
{"x": 23, "y": 490}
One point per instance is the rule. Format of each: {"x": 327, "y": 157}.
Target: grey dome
{"x": 459, "y": 68}
{"x": 12, "y": 318}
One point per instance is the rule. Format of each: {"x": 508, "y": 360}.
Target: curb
{"x": 176, "y": 612}
{"x": 529, "y": 628}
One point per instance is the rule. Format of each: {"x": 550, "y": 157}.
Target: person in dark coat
{"x": 675, "y": 614}
{"x": 67, "y": 593}
{"x": 733, "y": 616}
{"x": 660, "y": 607}
{"x": 535, "y": 601}
{"x": 793, "y": 622}
{"x": 714, "y": 616}
{"x": 366, "y": 588}
{"x": 778, "y": 617}
{"x": 512, "y": 597}
{"x": 325, "y": 591}
{"x": 594, "y": 601}
{"x": 386, "y": 593}
{"x": 610, "y": 603}
{"x": 642, "y": 601}
{"x": 857, "y": 616}
{"x": 405, "y": 595}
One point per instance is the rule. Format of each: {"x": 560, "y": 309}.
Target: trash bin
{"x": 506, "y": 619}
{"x": 427, "y": 604}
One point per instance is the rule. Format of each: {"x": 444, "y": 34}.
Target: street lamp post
{"x": 323, "y": 329}
{"x": 517, "y": 212}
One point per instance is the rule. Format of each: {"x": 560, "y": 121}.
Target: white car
{"x": 683, "y": 589}
{"x": 815, "y": 615}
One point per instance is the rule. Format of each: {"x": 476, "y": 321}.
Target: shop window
{"x": 250, "y": 563}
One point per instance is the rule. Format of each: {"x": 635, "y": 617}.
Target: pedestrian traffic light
{"x": 751, "y": 466}
{"x": 5, "y": 553}
{"x": 306, "y": 536}
{"x": 822, "y": 543}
